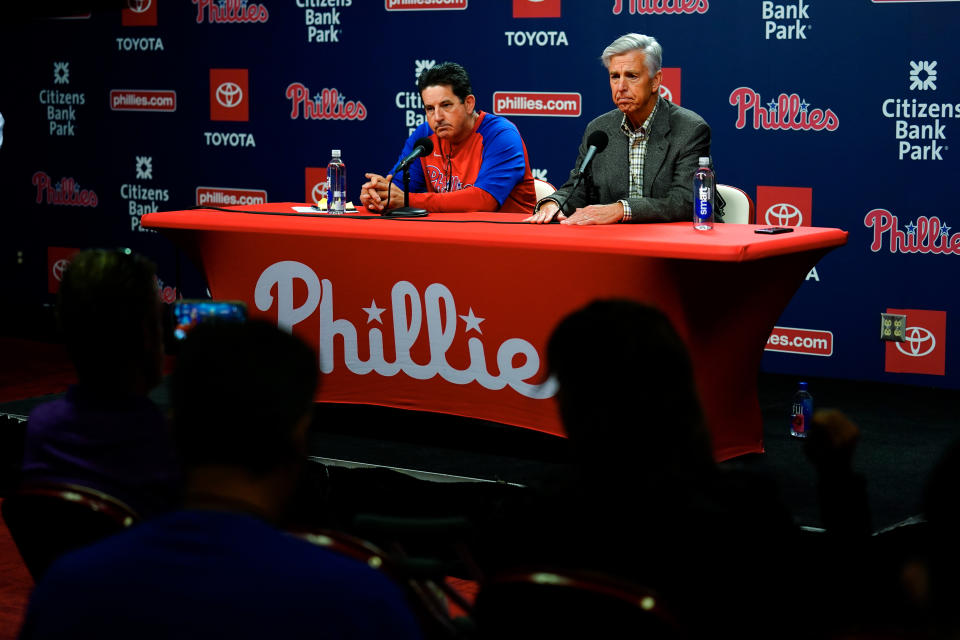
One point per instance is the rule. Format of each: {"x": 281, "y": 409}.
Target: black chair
{"x": 528, "y": 603}
{"x": 47, "y": 519}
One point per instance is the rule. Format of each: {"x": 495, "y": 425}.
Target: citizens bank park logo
{"x": 654, "y": 7}
{"x": 536, "y": 103}
{"x": 536, "y": 8}
{"x": 809, "y": 342}
{"x": 909, "y": 1}
{"x": 924, "y": 347}
{"x": 66, "y": 192}
{"x": 782, "y": 21}
{"x": 140, "y": 198}
{"x": 230, "y": 11}
{"x": 322, "y": 25}
{"x": 315, "y": 181}
{"x": 786, "y": 112}
{"x": 327, "y": 104}
{"x": 60, "y": 105}
{"x": 409, "y": 102}
{"x": 143, "y": 100}
{"x": 424, "y": 5}
{"x": 784, "y": 206}
{"x": 926, "y": 235}
{"x": 58, "y": 259}
{"x": 517, "y": 359}
{"x": 919, "y": 125}
{"x": 226, "y": 197}
{"x": 139, "y": 13}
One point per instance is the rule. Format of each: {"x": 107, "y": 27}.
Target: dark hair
{"x": 448, "y": 74}
{"x": 626, "y": 387}
{"x": 106, "y": 302}
{"x": 238, "y": 391}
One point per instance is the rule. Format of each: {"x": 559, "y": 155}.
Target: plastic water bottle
{"x": 336, "y": 184}
{"x": 801, "y": 412}
{"x": 704, "y": 188}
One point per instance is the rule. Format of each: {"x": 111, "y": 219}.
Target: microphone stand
{"x": 406, "y": 211}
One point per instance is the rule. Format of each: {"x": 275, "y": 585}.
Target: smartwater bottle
{"x": 801, "y": 412}
{"x": 704, "y": 186}
{"x": 336, "y": 184}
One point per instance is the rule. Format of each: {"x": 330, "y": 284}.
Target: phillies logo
{"x": 661, "y": 6}
{"x": 923, "y": 349}
{"x": 229, "y": 95}
{"x": 536, "y": 8}
{"x": 784, "y": 206}
{"x": 670, "y": 84}
{"x": 787, "y": 112}
{"x": 63, "y": 193}
{"x": 225, "y": 11}
{"x": 926, "y": 235}
{"x": 326, "y": 105}
{"x": 437, "y": 310}
{"x": 139, "y": 13}
{"x": 315, "y": 181}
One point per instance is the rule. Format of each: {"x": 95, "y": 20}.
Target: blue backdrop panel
{"x": 825, "y": 113}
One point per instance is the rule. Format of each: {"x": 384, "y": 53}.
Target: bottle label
{"x": 704, "y": 209}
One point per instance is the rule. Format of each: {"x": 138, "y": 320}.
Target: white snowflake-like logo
{"x": 144, "y": 168}
{"x": 419, "y": 66}
{"x": 923, "y": 75}
{"x": 539, "y": 174}
{"x": 61, "y": 73}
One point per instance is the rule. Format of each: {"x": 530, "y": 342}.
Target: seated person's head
{"x": 110, "y": 315}
{"x": 626, "y": 388}
{"x": 242, "y": 397}
{"x": 448, "y": 100}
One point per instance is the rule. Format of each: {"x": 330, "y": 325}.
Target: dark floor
{"x": 904, "y": 429}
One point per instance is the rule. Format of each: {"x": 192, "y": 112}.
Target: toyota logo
{"x": 784, "y": 214}
{"x": 229, "y": 94}
{"x": 666, "y": 93}
{"x": 917, "y": 343}
{"x": 139, "y": 6}
{"x": 319, "y": 191}
{"x": 59, "y": 267}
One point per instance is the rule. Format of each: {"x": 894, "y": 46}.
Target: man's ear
{"x": 470, "y": 102}
{"x": 657, "y": 79}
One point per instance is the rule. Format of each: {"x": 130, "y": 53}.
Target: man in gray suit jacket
{"x": 645, "y": 173}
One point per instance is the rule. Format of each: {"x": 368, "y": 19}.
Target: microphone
{"x": 596, "y": 143}
{"x": 422, "y": 147}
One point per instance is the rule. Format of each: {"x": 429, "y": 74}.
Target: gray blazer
{"x": 678, "y": 137}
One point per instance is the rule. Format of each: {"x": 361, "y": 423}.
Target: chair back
{"x": 739, "y": 208}
{"x": 49, "y": 519}
{"x": 542, "y": 188}
{"x": 566, "y": 603}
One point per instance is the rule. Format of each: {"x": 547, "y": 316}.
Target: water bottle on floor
{"x": 336, "y": 184}
{"x": 704, "y": 188}
{"x": 801, "y": 412}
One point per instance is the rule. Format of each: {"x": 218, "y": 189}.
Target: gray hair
{"x": 647, "y": 45}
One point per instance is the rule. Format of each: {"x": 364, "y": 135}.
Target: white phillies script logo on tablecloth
{"x": 441, "y": 332}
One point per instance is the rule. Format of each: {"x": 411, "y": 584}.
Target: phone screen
{"x": 189, "y": 313}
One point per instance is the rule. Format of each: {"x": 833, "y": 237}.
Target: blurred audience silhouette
{"x": 105, "y": 433}
{"x": 242, "y": 398}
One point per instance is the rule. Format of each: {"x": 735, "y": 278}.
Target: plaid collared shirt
{"x": 637, "y": 141}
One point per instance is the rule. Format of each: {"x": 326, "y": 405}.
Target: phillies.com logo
{"x": 328, "y": 104}
{"x": 787, "y": 112}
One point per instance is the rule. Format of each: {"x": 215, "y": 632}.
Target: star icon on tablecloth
{"x": 472, "y": 321}
{"x": 373, "y": 312}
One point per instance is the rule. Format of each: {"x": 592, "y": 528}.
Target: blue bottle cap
{"x": 803, "y": 386}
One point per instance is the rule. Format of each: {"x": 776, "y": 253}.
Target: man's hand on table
{"x": 373, "y": 193}
{"x": 548, "y": 211}
{"x": 596, "y": 214}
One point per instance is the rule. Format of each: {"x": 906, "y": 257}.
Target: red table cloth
{"x": 452, "y": 312}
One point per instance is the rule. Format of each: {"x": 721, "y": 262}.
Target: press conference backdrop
{"x": 827, "y": 113}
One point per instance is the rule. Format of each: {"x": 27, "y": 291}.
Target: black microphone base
{"x": 404, "y": 212}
